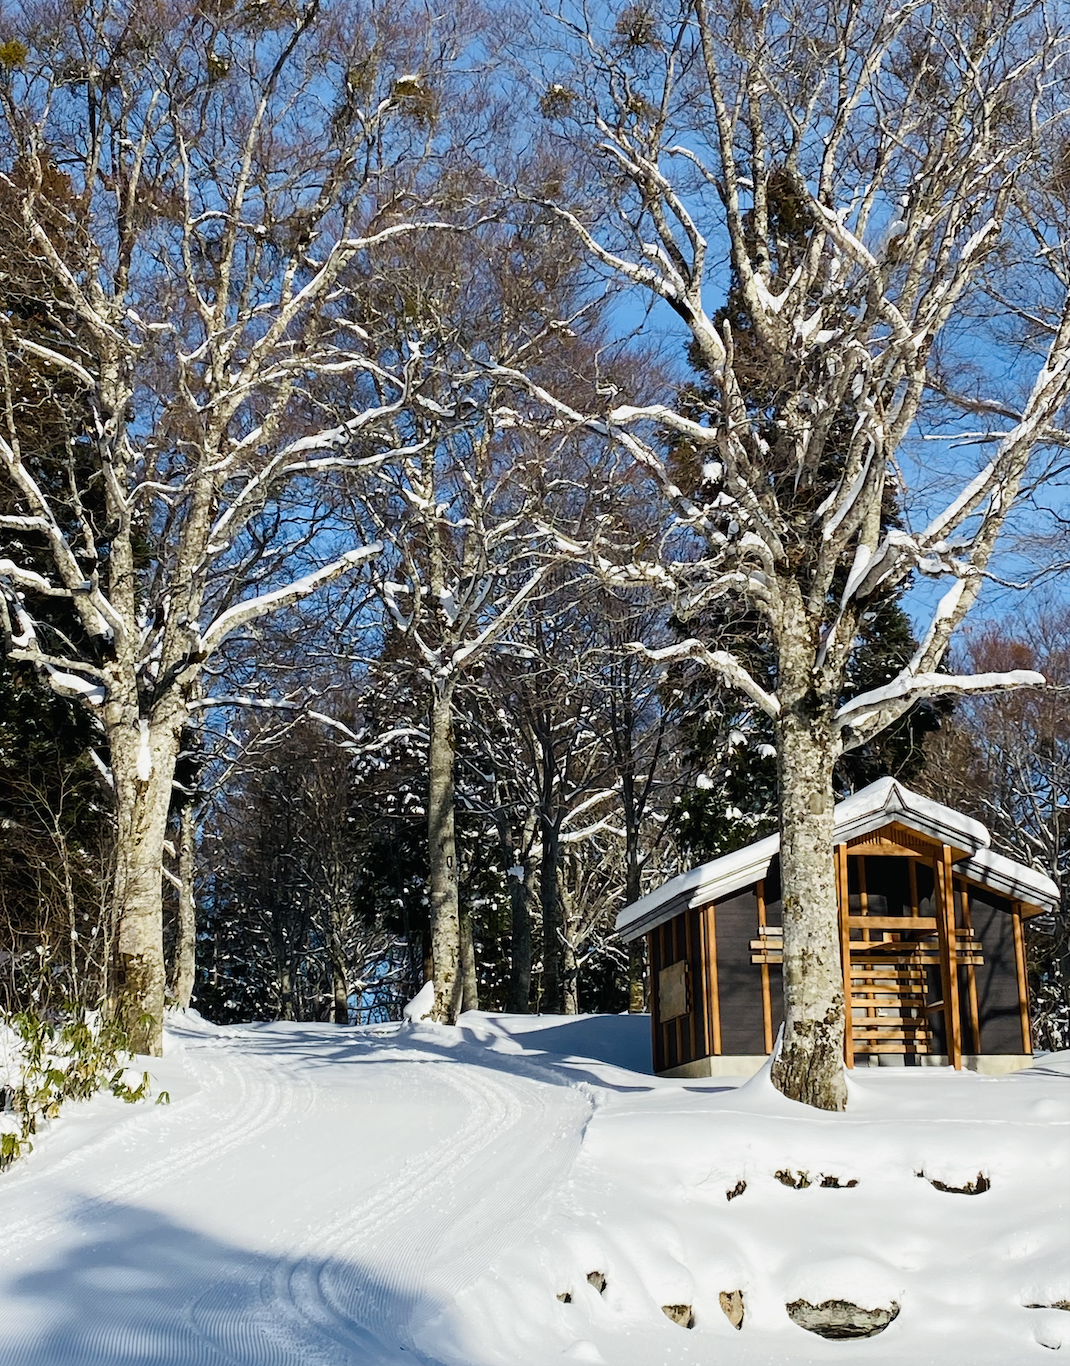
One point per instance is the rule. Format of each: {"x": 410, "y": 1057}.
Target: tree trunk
{"x": 521, "y": 896}
{"x": 143, "y": 765}
{"x": 520, "y": 890}
{"x": 286, "y": 995}
{"x": 552, "y": 959}
{"x": 809, "y": 1067}
{"x": 469, "y": 980}
{"x": 185, "y": 963}
{"x": 442, "y": 858}
{"x": 340, "y": 1011}
{"x": 570, "y": 971}
{"x": 633, "y": 890}
{"x": 637, "y": 977}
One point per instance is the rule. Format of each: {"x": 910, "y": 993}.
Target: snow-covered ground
{"x": 420, "y": 1194}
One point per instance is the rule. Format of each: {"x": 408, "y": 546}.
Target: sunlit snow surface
{"x": 400, "y": 1194}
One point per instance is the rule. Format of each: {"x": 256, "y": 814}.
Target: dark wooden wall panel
{"x": 738, "y": 979}
{"x": 997, "y": 980}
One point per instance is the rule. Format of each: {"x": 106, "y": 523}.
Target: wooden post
{"x": 844, "y": 899}
{"x": 949, "y": 971}
{"x": 1023, "y": 976}
{"x": 704, "y": 973}
{"x": 689, "y": 925}
{"x": 863, "y": 910}
{"x": 767, "y": 1004}
{"x": 971, "y": 972}
{"x": 709, "y": 912}
{"x": 677, "y": 954}
{"x": 653, "y": 958}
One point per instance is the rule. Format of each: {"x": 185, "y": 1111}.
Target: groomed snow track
{"x": 299, "y": 1202}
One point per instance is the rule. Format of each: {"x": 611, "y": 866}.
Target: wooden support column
{"x": 767, "y": 1002}
{"x": 1023, "y": 976}
{"x": 844, "y": 903}
{"x": 971, "y": 972}
{"x": 653, "y": 959}
{"x": 949, "y": 970}
{"x": 706, "y": 1038}
{"x": 678, "y": 952}
{"x": 709, "y": 916}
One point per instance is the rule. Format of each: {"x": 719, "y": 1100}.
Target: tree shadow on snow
{"x": 139, "y": 1289}
{"x": 318, "y": 1046}
{"x": 620, "y": 1040}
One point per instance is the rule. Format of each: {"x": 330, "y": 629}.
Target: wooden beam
{"x": 892, "y": 922}
{"x": 949, "y": 972}
{"x": 887, "y": 849}
{"x": 1023, "y": 976}
{"x": 844, "y": 907}
{"x": 767, "y": 1003}
{"x": 710, "y": 912}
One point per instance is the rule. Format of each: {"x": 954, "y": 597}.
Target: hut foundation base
{"x": 745, "y": 1065}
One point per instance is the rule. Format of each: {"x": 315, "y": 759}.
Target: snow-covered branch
{"x": 872, "y": 711}
{"x": 726, "y": 666}
{"x": 250, "y": 609}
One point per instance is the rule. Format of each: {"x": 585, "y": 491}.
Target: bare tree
{"x": 1006, "y": 759}
{"x": 845, "y": 180}
{"x": 193, "y": 183}
{"x": 459, "y": 505}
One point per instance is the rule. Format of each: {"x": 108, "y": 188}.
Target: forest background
{"x": 336, "y": 612}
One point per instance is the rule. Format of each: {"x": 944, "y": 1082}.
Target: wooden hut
{"x": 930, "y": 939}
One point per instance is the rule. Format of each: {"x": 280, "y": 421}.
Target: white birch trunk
{"x": 143, "y": 763}
{"x": 809, "y": 1067}
{"x": 442, "y": 859}
{"x": 469, "y": 976}
{"x": 185, "y": 964}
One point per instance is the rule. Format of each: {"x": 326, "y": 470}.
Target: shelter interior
{"x": 933, "y": 962}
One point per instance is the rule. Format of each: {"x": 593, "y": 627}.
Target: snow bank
{"x": 620, "y": 1040}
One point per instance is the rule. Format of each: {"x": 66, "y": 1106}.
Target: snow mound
{"x": 421, "y": 1005}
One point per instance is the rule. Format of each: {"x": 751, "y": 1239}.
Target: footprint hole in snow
{"x": 598, "y": 1280}
{"x": 977, "y": 1186}
{"x": 796, "y": 1180}
{"x": 732, "y": 1307}
{"x": 679, "y": 1313}
{"x": 565, "y": 1297}
{"x": 1046, "y": 1337}
{"x": 839, "y": 1319}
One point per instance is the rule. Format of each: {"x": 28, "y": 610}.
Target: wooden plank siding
{"x": 689, "y": 937}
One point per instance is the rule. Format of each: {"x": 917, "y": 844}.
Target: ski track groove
{"x": 317, "y": 1304}
{"x": 260, "y": 1105}
{"x": 524, "y": 1166}
{"x": 325, "y": 1304}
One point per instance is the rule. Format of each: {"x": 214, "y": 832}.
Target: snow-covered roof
{"x": 872, "y": 808}
{"x": 1012, "y": 879}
